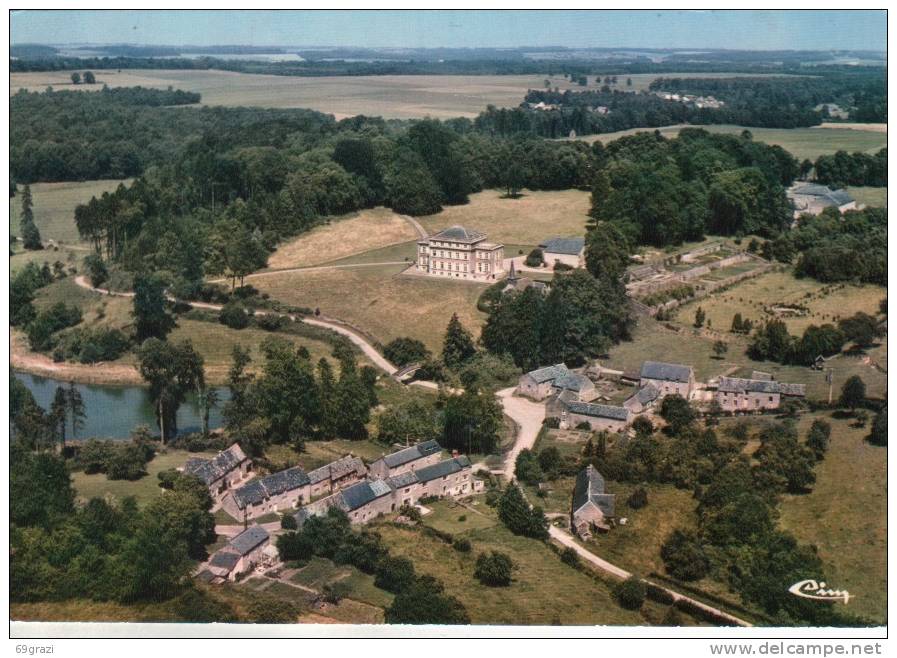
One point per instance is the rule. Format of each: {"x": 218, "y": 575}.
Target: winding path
{"x": 366, "y": 347}
{"x": 314, "y": 268}
{"x": 528, "y": 416}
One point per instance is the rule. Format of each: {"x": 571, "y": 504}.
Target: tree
{"x": 207, "y": 399}
{"x": 684, "y": 557}
{"x": 31, "y": 239}
{"x": 96, "y": 269}
{"x": 394, "y": 574}
{"x": 607, "y": 251}
{"x": 638, "y": 498}
{"x": 471, "y": 422}
{"x": 699, "y": 317}
{"x": 853, "y": 393}
{"x": 404, "y": 351}
{"x": 40, "y": 488}
{"x": 234, "y": 315}
{"x": 494, "y": 569}
{"x": 151, "y": 318}
{"x": 76, "y": 78}
{"x": 458, "y": 345}
{"x": 517, "y": 515}
{"x": 818, "y": 437}
{"x": 425, "y": 602}
{"x": 784, "y": 463}
{"x": 534, "y": 258}
{"x": 550, "y": 461}
{"x": 630, "y": 594}
{"x": 89, "y": 78}
{"x": 861, "y": 328}
{"x": 410, "y": 420}
{"x": 526, "y": 467}
{"x": 677, "y": 412}
{"x": 172, "y": 371}
{"x": 879, "y": 434}
{"x": 183, "y": 513}
{"x": 720, "y": 348}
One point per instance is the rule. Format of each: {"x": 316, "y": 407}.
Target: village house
{"x": 668, "y": 378}
{"x": 460, "y": 253}
{"x": 336, "y": 475}
{"x": 592, "y": 508}
{"x": 407, "y": 459}
{"x": 223, "y": 471}
{"x": 279, "y": 491}
{"x": 813, "y": 199}
{"x": 241, "y": 554}
{"x": 737, "y": 394}
{"x": 642, "y": 400}
{"x": 569, "y": 251}
{"x": 552, "y": 380}
{"x": 570, "y": 413}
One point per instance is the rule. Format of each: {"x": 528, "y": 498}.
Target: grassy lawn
{"x": 826, "y": 303}
{"x": 845, "y": 516}
{"x": 344, "y": 236}
{"x": 403, "y": 251}
{"x": 68, "y": 256}
{"x": 381, "y": 301}
{"x": 358, "y": 585}
{"x": 870, "y": 196}
{"x": 800, "y": 142}
{"x": 319, "y": 453}
{"x": 528, "y": 220}
{"x": 446, "y": 516}
{"x": 544, "y": 589}
{"x": 54, "y": 207}
{"x": 223, "y": 518}
{"x": 145, "y": 490}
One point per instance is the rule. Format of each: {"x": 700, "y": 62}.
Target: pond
{"x": 113, "y": 411}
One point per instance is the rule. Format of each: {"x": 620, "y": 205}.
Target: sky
{"x": 747, "y": 30}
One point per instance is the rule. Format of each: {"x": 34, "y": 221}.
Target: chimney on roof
{"x": 454, "y": 453}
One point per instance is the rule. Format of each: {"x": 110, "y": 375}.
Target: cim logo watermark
{"x": 810, "y": 589}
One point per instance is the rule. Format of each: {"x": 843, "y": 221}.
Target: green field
{"x": 447, "y": 516}
{"x": 800, "y": 142}
{"x": 54, "y": 207}
{"x": 870, "y": 196}
{"x": 527, "y": 220}
{"x": 845, "y": 516}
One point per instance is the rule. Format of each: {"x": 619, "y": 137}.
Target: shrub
{"x": 562, "y": 267}
{"x": 630, "y": 594}
{"x": 394, "y": 574}
{"x": 410, "y": 511}
{"x": 584, "y": 425}
{"x": 462, "y": 518}
{"x": 638, "y": 498}
{"x": 683, "y": 556}
{"x": 271, "y": 321}
{"x": 233, "y": 315}
{"x": 402, "y": 351}
{"x": 494, "y": 569}
{"x": 167, "y": 477}
{"x": 535, "y": 258}
{"x": 462, "y": 545}
{"x": 552, "y": 422}
{"x": 288, "y": 522}
{"x": 96, "y": 270}
{"x": 570, "y": 556}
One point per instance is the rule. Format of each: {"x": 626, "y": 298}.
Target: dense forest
{"x": 860, "y": 169}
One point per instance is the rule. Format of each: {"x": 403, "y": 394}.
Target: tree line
{"x": 860, "y": 169}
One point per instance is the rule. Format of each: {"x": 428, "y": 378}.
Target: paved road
{"x": 528, "y": 416}
{"x": 369, "y": 350}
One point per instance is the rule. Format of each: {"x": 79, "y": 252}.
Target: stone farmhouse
{"x": 593, "y": 508}
{"x": 366, "y": 500}
{"x": 736, "y": 394}
{"x": 407, "y": 459}
{"x": 241, "y": 554}
{"x": 569, "y": 251}
{"x": 460, "y": 253}
{"x": 668, "y": 378}
{"x": 571, "y": 413}
{"x": 552, "y": 380}
{"x": 291, "y": 488}
{"x": 813, "y": 199}
{"x": 223, "y": 471}
{"x": 643, "y": 399}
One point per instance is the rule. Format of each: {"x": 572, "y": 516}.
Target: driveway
{"x": 528, "y": 416}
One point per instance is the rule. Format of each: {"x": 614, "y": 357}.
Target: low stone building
{"x": 642, "y": 400}
{"x": 336, "y": 475}
{"x": 570, "y": 413}
{"x": 223, "y": 471}
{"x": 736, "y": 394}
{"x": 668, "y": 378}
{"x": 273, "y": 493}
{"x": 813, "y": 199}
{"x": 552, "y": 380}
{"x": 241, "y": 554}
{"x": 569, "y": 251}
{"x": 593, "y": 508}
{"x": 407, "y": 459}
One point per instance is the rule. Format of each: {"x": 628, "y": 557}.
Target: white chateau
{"x": 460, "y": 253}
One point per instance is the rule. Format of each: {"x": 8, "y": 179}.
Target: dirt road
{"x": 528, "y": 416}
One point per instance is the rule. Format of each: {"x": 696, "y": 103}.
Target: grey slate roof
{"x": 647, "y": 394}
{"x": 225, "y": 559}
{"x": 598, "y": 410}
{"x": 589, "y": 489}
{"x": 402, "y": 480}
{"x": 251, "y": 493}
{"x": 740, "y": 385}
{"x": 249, "y": 539}
{"x": 569, "y": 246}
{"x": 412, "y": 453}
{"x": 548, "y": 373}
{"x": 210, "y": 470}
{"x": 668, "y": 372}
{"x": 359, "y": 495}
{"x": 572, "y": 382}
{"x": 822, "y": 193}
{"x": 337, "y": 469}
{"x": 258, "y": 490}
{"x": 458, "y": 234}
{"x": 443, "y": 468}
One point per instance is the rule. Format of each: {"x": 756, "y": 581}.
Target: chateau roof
{"x": 458, "y": 234}
{"x": 668, "y": 372}
{"x": 570, "y": 246}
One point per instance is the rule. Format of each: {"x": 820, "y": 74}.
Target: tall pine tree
{"x": 458, "y": 346}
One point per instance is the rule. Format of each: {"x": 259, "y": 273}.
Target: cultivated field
{"x": 525, "y": 221}
{"x": 800, "y": 142}
{"x": 826, "y": 303}
{"x": 342, "y": 237}
{"x": 54, "y": 207}
{"x": 380, "y": 300}
{"x": 845, "y": 516}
